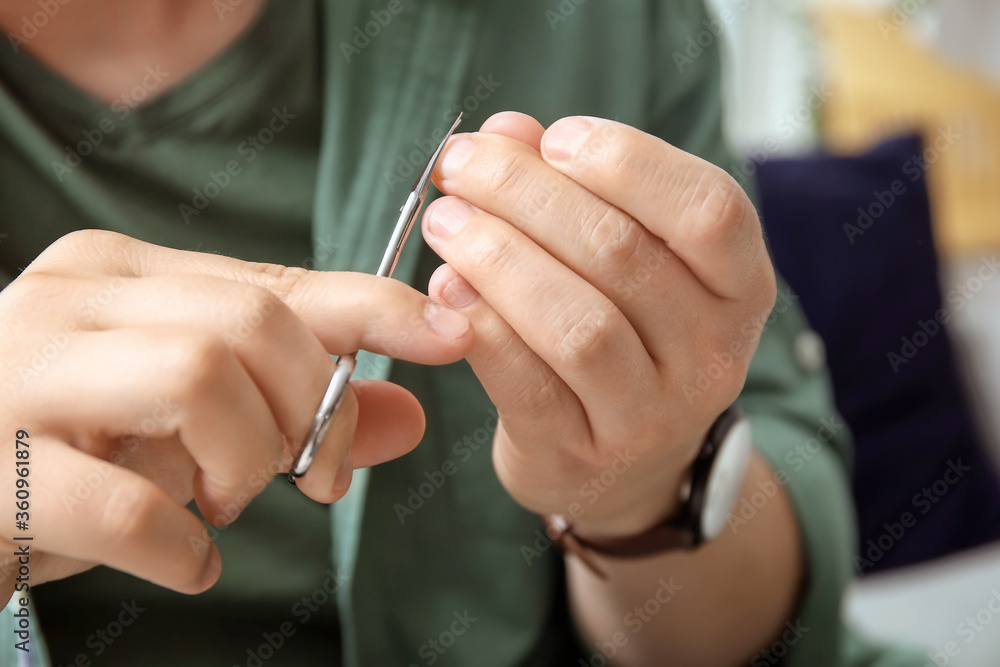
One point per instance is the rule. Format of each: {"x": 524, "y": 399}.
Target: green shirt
{"x": 297, "y": 146}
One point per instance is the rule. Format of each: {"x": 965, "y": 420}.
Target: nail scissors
{"x": 346, "y": 362}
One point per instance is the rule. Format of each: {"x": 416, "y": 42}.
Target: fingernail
{"x": 344, "y": 474}
{"x": 213, "y": 569}
{"x": 448, "y": 217}
{"x": 456, "y": 154}
{"x": 444, "y": 321}
{"x": 562, "y": 141}
{"x": 458, "y": 293}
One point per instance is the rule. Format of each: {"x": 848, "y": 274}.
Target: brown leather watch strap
{"x": 683, "y": 530}
{"x": 661, "y": 537}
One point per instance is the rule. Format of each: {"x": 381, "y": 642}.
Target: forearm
{"x": 717, "y": 605}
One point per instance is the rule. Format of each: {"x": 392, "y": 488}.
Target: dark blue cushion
{"x": 852, "y": 236}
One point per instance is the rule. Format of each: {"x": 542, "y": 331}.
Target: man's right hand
{"x": 147, "y": 377}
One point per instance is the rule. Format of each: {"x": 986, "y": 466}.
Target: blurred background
{"x": 870, "y": 133}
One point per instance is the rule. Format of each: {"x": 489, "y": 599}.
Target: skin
{"x": 192, "y": 354}
{"x": 599, "y": 274}
{"x": 565, "y": 345}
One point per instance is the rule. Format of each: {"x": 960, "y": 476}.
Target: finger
{"x": 601, "y": 243}
{"x": 518, "y": 126}
{"x": 283, "y": 357}
{"x": 376, "y": 422}
{"x": 159, "y": 383}
{"x": 531, "y": 399}
{"x": 390, "y": 423}
{"x": 696, "y": 207}
{"x": 329, "y": 476}
{"x": 574, "y": 328}
{"x": 124, "y": 521}
{"x": 346, "y": 311}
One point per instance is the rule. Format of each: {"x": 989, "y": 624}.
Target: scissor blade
{"x": 411, "y": 207}
{"x": 423, "y": 181}
{"x": 345, "y": 365}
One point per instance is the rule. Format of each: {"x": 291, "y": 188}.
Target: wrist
{"x": 696, "y": 513}
{"x": 653, "y": 495}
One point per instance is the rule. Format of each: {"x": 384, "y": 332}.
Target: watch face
{"x": 725, "y": 480}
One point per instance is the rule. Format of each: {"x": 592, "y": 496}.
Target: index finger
{"x": 700, "y": 211}
{"x": 346, "y": 311}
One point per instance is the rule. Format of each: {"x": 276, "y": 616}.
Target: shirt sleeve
{"x": 787, "y": 395}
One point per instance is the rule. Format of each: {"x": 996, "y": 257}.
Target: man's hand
{"x": 618, "y": 287}
{"x": 147, "y": 377}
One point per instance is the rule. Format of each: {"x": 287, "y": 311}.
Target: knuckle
{"x": 716, "y": 212}
{"x": 282, "y": 281}
{"x": 258, "y": 311}
{"x": 493, "y": 254}
{"x": 630, "y": 164}
{"x": 588, "y": 336}
{"x": 615, "y": 238}
{"x": 509, "y": 175}
{"x": 259, "y": 299}
{"x": 82, "y": 246}
{"x": 537, "y": 397}
{"x": 129, "y": 512}
{"x": 200, "y": 363}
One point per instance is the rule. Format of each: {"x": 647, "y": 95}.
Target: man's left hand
{"x": 618, "y": 287}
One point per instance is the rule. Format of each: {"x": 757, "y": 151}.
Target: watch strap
{"x": 680, "y": 531}
{"x": 661, "y": 537}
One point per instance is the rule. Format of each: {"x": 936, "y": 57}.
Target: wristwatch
{"x": 707, "y": 497}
